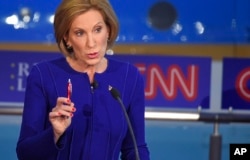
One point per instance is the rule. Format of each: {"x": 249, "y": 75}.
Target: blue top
{"x": 98, "y": 130}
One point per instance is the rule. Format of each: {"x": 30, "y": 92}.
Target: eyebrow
{"x": 98, "y": 23}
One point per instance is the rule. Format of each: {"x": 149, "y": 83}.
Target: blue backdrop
{"x": 195, "y": 21}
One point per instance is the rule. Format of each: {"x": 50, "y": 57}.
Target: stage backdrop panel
{"x": 236, "y": 83}
{"x": 174, "y": 81}
{"x": 170, "y": 81}
{"x": 14, "y": 69}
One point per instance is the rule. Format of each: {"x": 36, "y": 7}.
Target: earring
{"x": 69, "y": 48}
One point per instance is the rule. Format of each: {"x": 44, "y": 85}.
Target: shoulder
{"x": 59, "y": 62}
{"x": 55, "y": 61}
{"x": 119, "y": 65}
{"x": 125, "y": 70}
{"x": 46, "y": 66}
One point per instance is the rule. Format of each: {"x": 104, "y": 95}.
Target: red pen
{"x": 69, "y": 89}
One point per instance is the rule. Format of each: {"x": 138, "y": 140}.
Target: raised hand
{"x": 60, "y": 116}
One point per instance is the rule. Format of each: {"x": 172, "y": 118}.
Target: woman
{"x": 89, "y": 124}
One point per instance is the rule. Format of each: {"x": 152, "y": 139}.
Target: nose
{"x": 90, "y": 41}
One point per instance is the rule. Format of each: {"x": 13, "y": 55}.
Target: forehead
{"x": 88, "y": 18}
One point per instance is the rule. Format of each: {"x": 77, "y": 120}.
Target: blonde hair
{"x": 69, "y": 9}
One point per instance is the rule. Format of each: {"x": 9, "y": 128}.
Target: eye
{"x": 98, "y": 29}
{"x": 79, "y": 33}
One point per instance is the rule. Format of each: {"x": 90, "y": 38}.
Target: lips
{"x": 92, "y": 55}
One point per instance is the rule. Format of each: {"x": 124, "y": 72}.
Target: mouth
{"x": 92, "y": 55}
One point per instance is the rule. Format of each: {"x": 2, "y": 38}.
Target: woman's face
{"x": 88, "y": 35}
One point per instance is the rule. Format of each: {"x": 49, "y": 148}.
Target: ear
{"x": 65, "y": 39}
{"x": 108, "y": 32}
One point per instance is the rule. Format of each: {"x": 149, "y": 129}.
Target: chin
{"x": 93, "y": 62}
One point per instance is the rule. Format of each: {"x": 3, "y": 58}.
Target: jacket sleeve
{"x": 36, "y": 140}
{"x": 136, "y": 111}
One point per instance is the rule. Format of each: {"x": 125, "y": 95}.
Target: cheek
{"x": 78, "y": 43}
{"x": 104, "y": 41}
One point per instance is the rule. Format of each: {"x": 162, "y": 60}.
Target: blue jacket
{"x": 98, "y": 130}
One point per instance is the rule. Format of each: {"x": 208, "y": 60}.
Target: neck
{"x": 80, "y": 66}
